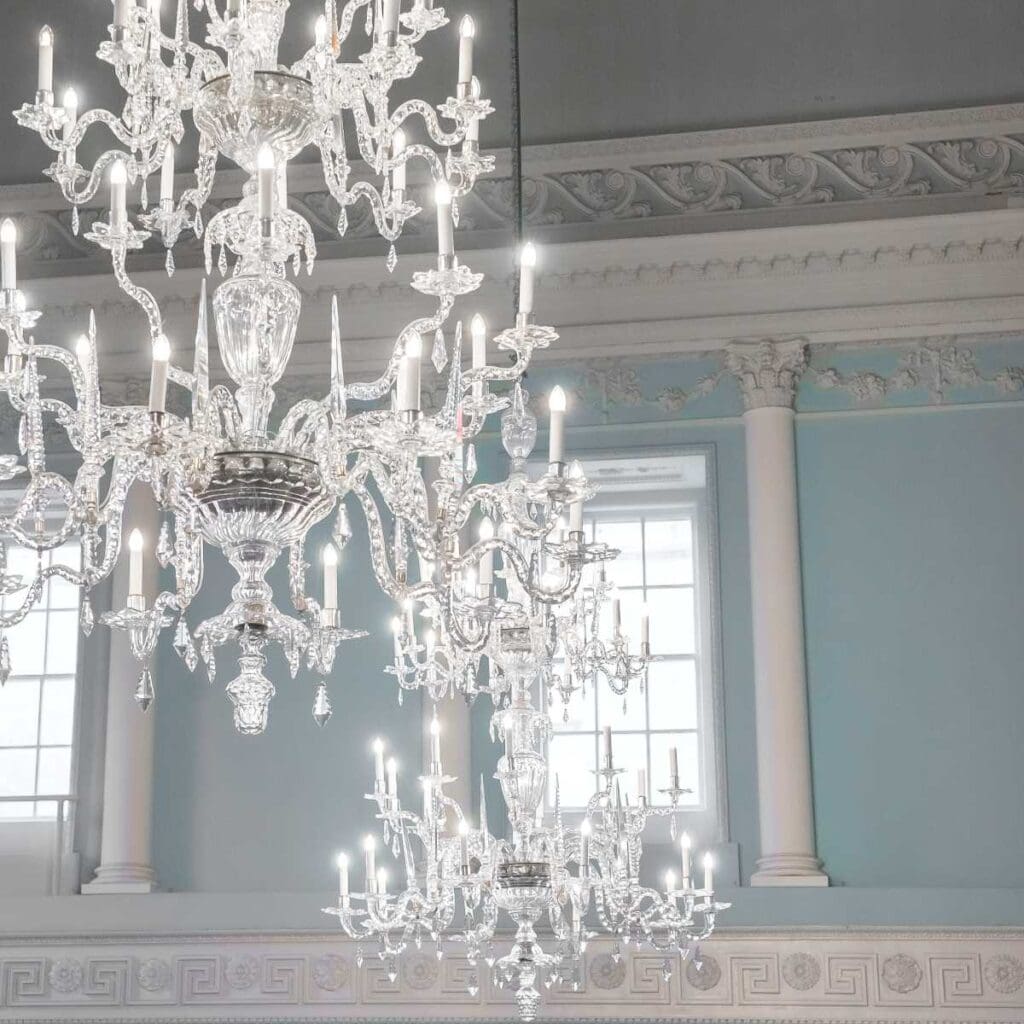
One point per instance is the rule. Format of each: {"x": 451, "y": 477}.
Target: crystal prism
{"x": 321, "y": 704}
{"x": 439, "y": 356}
{"x": 86, "y": 619}
{"x": 164, "y": 546}
{"x": 5, "y": 660}
{"x": 144, "y": 690}
{"x": 392, "y": 259}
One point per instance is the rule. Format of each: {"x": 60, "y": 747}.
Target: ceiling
{"x": 602, "y": 69}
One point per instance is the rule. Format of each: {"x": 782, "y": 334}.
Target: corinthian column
{"x": 126, "y": 844}
{"x": 768, "y": 374}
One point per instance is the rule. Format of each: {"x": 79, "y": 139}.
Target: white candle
{"x": 607, "y": 746}
{"x": 428, "y": 799}
{"x": 382, "y": 882}
{"x": 709, "y": 863}
{"x": 343, "y": 875}
{"x": 487, "y": 560}
{"x": 673, "y": 765}
{"x": 478, "y": 329}
{"x": 435, "y": 745}
{"x": 396, "y": 629}
{"x": 9, "y": 254}
{"x": 391, "y": 10}
{"x": 409, "y": 375}
{"x": 464, "y": 843}
{"x": 83, "y": 349}
{"x": 370, "y": 853}
{"x": 154, "y": 28}
{"x": 684, "y": 850}
{"x": 266, "y": 171}
{"x": 121, "y": 8}
{"x": 46, "y": 59}
{"x": 556, "y": 427}
{"x": 392, "y": 789}
{"x": 670, "y": 881}
{"x": 158, "y": 376}
{"x": 641, "y": 784}
{"x": 320, "y": 33}
{"x": 467, "y": 29}
{"x": 330, "y": 558}
{"x": 70, "y": 105}
{"x": 473, "y": 128}
{"x": 527, "y": 266}
{"x": 645, "y": 626}
{"x": 378, "y": 764}
{"x": 445, "y": 227}
{"x": 118, "y": 195}
{"x": 167, "y": 175}
{"x": 398, "y": 174}
{"x": 616, "y": 615}
{"x": 135, "y": 545}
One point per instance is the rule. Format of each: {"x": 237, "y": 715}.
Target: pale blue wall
{"x": 913, "y": 563}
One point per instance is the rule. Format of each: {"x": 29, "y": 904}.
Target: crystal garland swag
{"x": 222, "y": 475}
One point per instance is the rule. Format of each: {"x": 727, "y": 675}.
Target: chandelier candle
{"x": 685, "y": 846}
{"x": 343, "y": 891}
{"x": 467, "y": 30}
{"x": 266, "y": 175}
{"x": 435, "y": 746}
{"x": 45, "y": 84}
{"x": 445, "y": 226}
{"x": 118, "y": 196}
{"x": 70, "y": 105}
{"x": 409, "y": 378}
{"x": 9, "y": 255}
{"x": 330, "y": 560}
{"x": 398, "y": 173}
{"x": 370, "y": 856}
{"x": 135, "y": 546}
{"x": 556, "y": 426}
{"x": 158, "y": 376}
{"x": 527, "y": 269}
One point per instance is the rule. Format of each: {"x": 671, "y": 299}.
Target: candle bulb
{"x": 9, "y": 254}
{"x": 158, "y": 376}
{"x": 135, "y": 546}
{"x": 45, "y": 84}
{"x": 266, "y": 174}
{"x": 556, "y": 427}
{"x": 684, "y": 849}
{"x": 370, "y": 857}
{"x": 673, "y": 766}
{"x": 409, "y": 374}
{"x": 608, "y": 746}
{"x": 435, "y": 746}
{"x": 167, "y": 175}
{"x": 527, "y": 266}
{"x": 487, "y": 561}
{"x": 467, "y": 29}
{"x": 392, "y": 785}
{"x": 445, "y": 226}
{"x": 709, "y": 864}
{"x": 118, "y": 195}
{"x": 70, "y": 105}
{"x": 343, "y": 875}
{"x": 398, "y": 174}
{"x": 378, "y": 765}
{"x": 330, "y": 559}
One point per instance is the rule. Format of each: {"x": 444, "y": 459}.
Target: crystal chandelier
{"x": 223, "y": 475}
{"x": 459, "y": 881}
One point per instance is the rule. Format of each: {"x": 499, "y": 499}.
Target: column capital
{"x": 768, "y": 371}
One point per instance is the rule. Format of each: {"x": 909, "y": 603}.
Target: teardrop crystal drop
{"x": 455, "y": 212}
{"x": 75, "y": 221}
{"x": 144, "y": 690}
{"x": 86, "y": 619}
{"x": 169, "y": 263}
{"x": 321, "y": 704}
{"x": 5, "y": 660}
{"x": 164, "y": 547}
{"x": 470, "y": 465}
{"x": 439, "y": 357}
{"x": 392, "y": 260}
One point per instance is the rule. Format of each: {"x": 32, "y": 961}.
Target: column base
{"x": 121, "y": 880}
{"x": 789, "y": 869}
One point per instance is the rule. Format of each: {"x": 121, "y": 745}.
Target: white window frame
{"x": 638, "y": 482}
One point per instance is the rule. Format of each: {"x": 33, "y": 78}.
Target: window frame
{"x": 707, "y": 821}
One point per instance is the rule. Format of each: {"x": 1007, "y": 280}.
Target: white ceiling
{"x": 613, "y": 68}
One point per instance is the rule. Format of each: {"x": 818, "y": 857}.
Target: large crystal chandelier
{"x": 235, "y": 472}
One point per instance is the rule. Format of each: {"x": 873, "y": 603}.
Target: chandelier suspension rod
{"x": 516, "y": 147}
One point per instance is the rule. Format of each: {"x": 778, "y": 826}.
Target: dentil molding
{"x": 809, "y": 976}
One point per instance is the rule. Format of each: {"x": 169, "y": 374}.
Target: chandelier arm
{"x": 411, "y": 108}
{"x": 141, "y": 295}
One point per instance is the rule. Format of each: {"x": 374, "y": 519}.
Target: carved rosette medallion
{"x": 703, "y": 972}
{"x": 607, "y": 971}
{"x": 801, "y": 971}
{"x": 901, "y": 974}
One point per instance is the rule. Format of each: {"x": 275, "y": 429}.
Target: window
{"x": 37, "y": 704}
{"x": 656, "y": 510}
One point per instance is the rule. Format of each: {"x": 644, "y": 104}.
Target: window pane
{"x": 58, "y": 711}
{"x": 62, "y": 643}
{"x": 22, "y": 562}
{"x": 19, "y": 713}
{"x": 672, "y": 625}
{"x": 610, "y": 708}
{"x": 62, "y": 593}
{"x": 54, "y": 769}
{"x": 689, "y": 768}
{"x": 669, "y": 551}
{"x": 627, "y": 569}
{"x": 17, "y": 772}
{"x": 28, "y": 644}
{"x": 672, "y": 694}
{"x": 572, "y": 759}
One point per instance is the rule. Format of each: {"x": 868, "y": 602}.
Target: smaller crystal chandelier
{"x": 460, "y": 880}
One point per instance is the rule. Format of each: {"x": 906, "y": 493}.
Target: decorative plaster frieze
{"x": 809, "y": 976}
{"x": 768, "y": 372}
{"x": 641, "y": 181}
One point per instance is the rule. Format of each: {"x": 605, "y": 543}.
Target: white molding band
{"x": 795, "y": 976}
